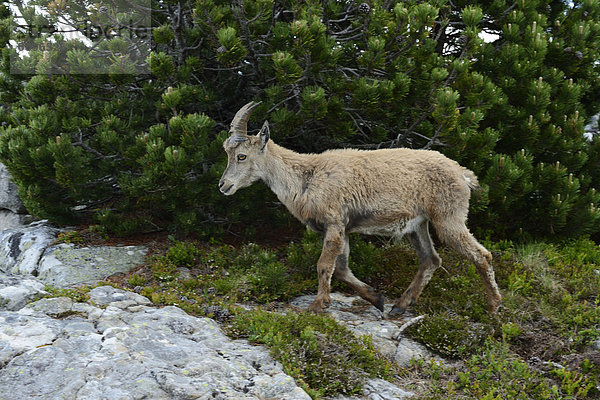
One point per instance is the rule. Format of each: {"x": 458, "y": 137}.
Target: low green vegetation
{"x": 539, "y": 346}
{"x": 69, "y": 237}
{"x": 497, "y": 373}
{"x": 79, "y": 294}
{"x": 193, "y": 276}
{"x": 324, "y": 356}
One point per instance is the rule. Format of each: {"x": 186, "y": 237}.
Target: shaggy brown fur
{"x": 385, "y": 192}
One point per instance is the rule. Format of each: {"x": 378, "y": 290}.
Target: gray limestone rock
{"x": 378, "y": 389}
{"x": 21, "y": 249}
{"x": 19, "y": 334}
{"x": 55, "y": 307}
{"x": 9, "y": 197}
{"x": 65, "y": 265}
{"x": 12, "y": 211}
{"x": 120, "y": 347}
{"x": 11, "y": 220}
{"x": 106, "y": 295}
{"x": 31, "y": 251}
{"x": 16, "y": 292}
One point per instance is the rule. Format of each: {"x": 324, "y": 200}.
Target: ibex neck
{"x": 286, "y": 172}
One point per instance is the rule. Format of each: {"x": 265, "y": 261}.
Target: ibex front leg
{"x": 333, "y": 246}
{"x": 344, "y": 274}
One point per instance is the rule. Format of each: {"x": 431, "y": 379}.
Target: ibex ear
{"x": 264, "y": 134}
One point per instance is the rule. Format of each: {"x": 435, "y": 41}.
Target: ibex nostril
{"x": 221, "y": 183}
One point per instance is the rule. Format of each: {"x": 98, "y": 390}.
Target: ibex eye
{"x": 241, "y": 157}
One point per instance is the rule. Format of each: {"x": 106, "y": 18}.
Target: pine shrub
{"x": 505, "y": 88}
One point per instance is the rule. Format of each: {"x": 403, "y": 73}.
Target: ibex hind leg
{"x": 460, "y": 239}
{"x": 344, "y": 274}
{"x": 429, "y": 261}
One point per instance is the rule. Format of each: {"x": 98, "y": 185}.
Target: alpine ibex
{"x": 382, "y": 192}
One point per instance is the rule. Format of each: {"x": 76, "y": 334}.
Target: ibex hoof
{"x": 494, "y": 308}
{"x": 380, "y": 302}
{"x": 397, "y": 312}
{"x": 318, "y": 306}
{"x": 400, "y": 311}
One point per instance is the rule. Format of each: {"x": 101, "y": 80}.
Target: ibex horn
{"x": 239, "y": 124}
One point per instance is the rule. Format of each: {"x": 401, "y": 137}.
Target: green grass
{"x": 550, "y": 314}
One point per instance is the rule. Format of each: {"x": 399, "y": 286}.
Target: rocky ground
{"x": 121, "y": 348}
{"x": 117, "y": 345}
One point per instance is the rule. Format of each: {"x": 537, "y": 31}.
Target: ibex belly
{"x": 397, "y": 228}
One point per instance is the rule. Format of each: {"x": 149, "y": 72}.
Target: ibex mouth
{"x": 225, "y": 189}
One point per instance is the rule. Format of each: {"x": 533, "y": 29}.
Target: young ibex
{"x": 382, "y": 192}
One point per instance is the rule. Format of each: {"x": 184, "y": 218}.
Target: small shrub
{"x": 365, "y": 258}
{"x": 520, "y": 281}
{"x": 121, "y": 225}
{"x": 273, "y": 280}
{"x": 183, "y": 254}
{"x": 574, "y": 384}
{"x": 270, "y": 281}
{"x": 70, "y": 237}
{"x": 136, "y": 280}
{"x": 451, "y": 336}
{"x": 234, "y": 287}
{"x": 580, "y": 251}
{"x": 163, "y": 270}
{"x": 497, "y": 373}
{"x": 302, "y": 257}
{"x": 510, "y": 331}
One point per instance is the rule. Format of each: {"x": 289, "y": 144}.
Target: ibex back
{"x": 384, "y": 192}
